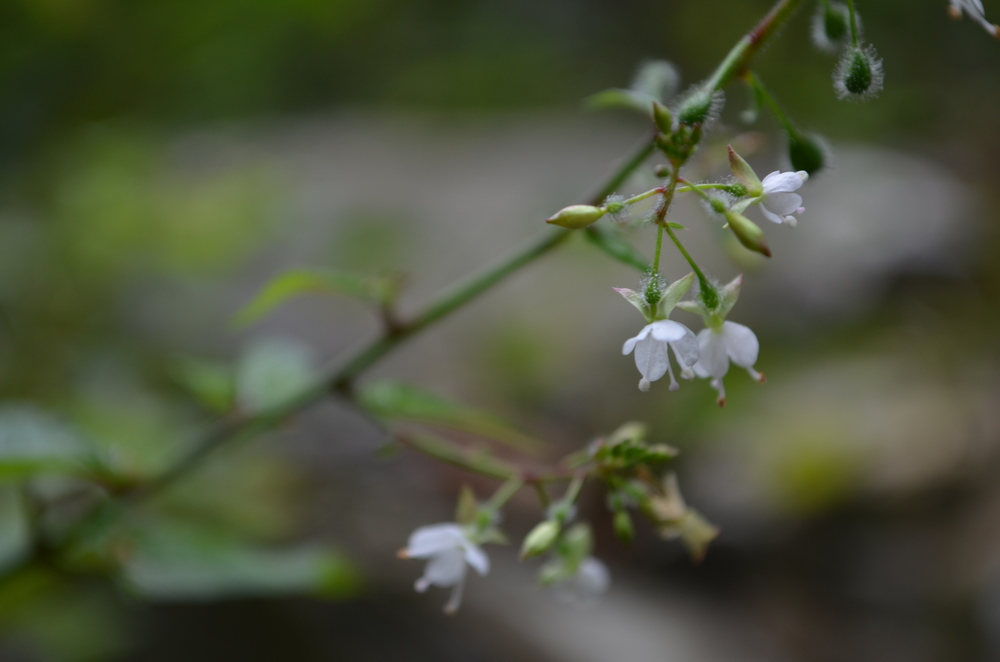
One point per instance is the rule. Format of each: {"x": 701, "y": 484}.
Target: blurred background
{"x": 161, "y": 162}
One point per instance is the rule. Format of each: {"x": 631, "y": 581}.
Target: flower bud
{"x": 858, "y": 74}
{"x": 831, "y": 28}
{"x": 744, "y": 173}
{"x": 623, "y": 526}
{"x": 699, "y": 107}
{"x": 575, "y": 217}
{"x": 663, "y": 118}
{"x": 807, "y": 152}
{"x": 751, "y": 236}
{"x": 540, "y": 539}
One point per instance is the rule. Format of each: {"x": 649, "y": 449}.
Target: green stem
{"x": 659, "y": 247}
{"x": 770, "y": 102}
{"x": 744, "y": 51}
{"x": 503, "y": 495}
{"x": 697, "y": 187}
{"x": 855, "y": 39}
{"x": 661, "y": 215}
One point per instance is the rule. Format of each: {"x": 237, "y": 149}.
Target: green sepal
{"x": 744, "y": 173}
{"x": 467, "y": 507}
{"x": 672, "y": 295}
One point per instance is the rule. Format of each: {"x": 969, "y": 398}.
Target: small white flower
{"x": 973, "y": 8}
{"x": 731, "y": 342}
{"x": 778, "y": 201}
{"x": 448, "y": 549}
{"x": 651, "y": 355}
{"x": 586, "y": 587}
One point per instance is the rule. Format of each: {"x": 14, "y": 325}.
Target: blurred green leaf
{"x": 179, "y": 562}
{"x": 378, "y": 289}
{"x": 272, "y": 372}
{"x": 402, "y": 402}
{"x": 612, "y": 243}
{"x": 656, "y": 80}
{"x": 211, "y": 383}
{"x": 34, "y": 441}
{"x": 619, "y": 98}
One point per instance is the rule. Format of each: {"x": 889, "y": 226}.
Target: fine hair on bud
{"x": 808, "y": 152}
{"x": 831, "y": 26}
{"x": 619, "y": 212}
{"x": 858, "y": 74}
{"x": 699, "y": 106}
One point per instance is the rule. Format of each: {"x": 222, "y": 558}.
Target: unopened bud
{"x": 700, "y": 107}
{"x": 575, "y": 217}
{"x": 540, "y": 539}
{"x": 807, "y": 152}
{"x": 623, "y": 526}
{"x": 751, "y": 236}
{"x": 663, "y": 118}
{"x": 831, "y": 28}
{"x": 744, "y": 173}
{"x": 661, "y": 171}
{"x": 858, "y": 74}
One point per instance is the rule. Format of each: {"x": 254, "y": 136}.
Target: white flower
{"x": 973, "y": 8}
{"x": 731, "y": 342}
{"x": 584, "y": 588}
{"x": 778, "y": 201}
{"x": 448, "y": 549}
{"x": 651, "y": 351}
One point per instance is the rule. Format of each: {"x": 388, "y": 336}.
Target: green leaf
{"x": 656, "y": 79}
{"x": 273, "y": 372}
{"x": 614, "y": 245}
{"x": 34, "y": 441}
{"x": 676, "y": 226}
{"x": 211, "y": 383}
{"x": 402, "y": 402}
{"x": 380, "y": 289}
{"x": 179, "y": 562}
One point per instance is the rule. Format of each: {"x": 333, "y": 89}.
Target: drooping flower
{"x": 651, "y": 355}
{"x": 718, "y": 346}
{"x": 586, "y": 586}
{"x": 448, "y": 549}
{"x": 779, "y": 201}
{"x": 974, "y": 8}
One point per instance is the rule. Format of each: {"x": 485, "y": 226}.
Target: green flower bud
{"x": 858, "y": 74}
{"x": 831, "y": 27}
{"x": 575, "y": 217}
{"x": 700, "y": 107}
{"x": 663, "y": 118}
{"x": 540, "y": 539}
{"x": 623, "y": 526}
{"x": 751, "y": 236}
{"x": 807, "y": 152}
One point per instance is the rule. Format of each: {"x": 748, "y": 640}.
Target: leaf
{"x": 676, "y": 226}
{"x": 294, "y": 283}
{"x": 273, "y": 372}
{"x": 614, "y": 245}
{"x": 211, "y": 383}
{"x": 402, "y": 402}
{"x": 183, "y": 562}
{"x": 34, "y": 441}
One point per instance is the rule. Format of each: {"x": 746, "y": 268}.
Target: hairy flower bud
{"x": 858, "y": 74}
{"x": 699, "y": 107}
{"x": 831, "y": 28}
{"x": 575, "y": 217}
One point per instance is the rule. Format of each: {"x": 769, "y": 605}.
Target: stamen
{"x": 644, "y": 385}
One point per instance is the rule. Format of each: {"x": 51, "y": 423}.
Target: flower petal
{"x": 476, "y": 557}
{"x": 782, "y": 182}
{"x": 783, "y": 204}
{"x": 445, "y": 569}
{"x": 669, "y": 330}
{"x": 630, "y": 343}
{"x": 431, "y": 540}
{"x": 770, "y": 215}
{"x": 651, "y": 359}
{"x": 687, "y": 349}
{"x": 741, "y": 344}
{"x": 713, "y": 361}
